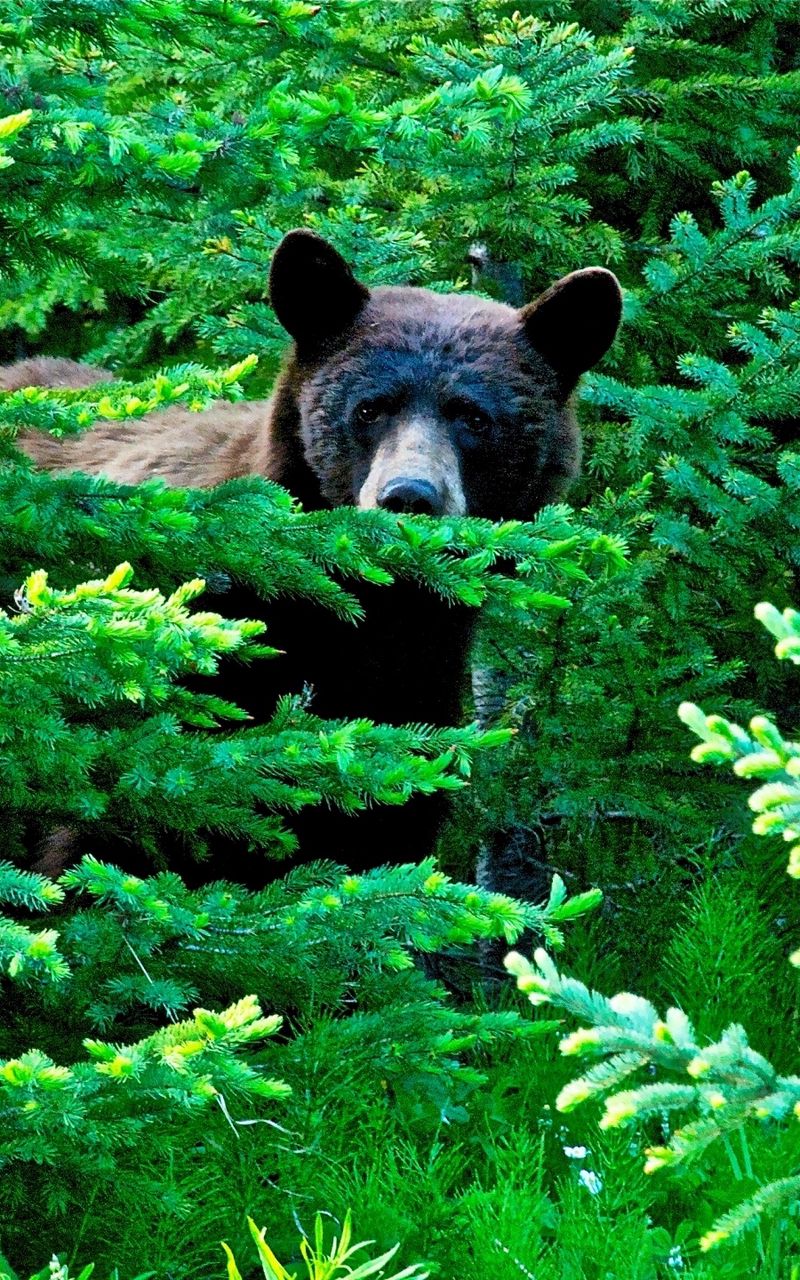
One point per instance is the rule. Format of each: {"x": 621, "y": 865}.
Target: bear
{"x": 398, "y": 398}
{"x": 50, "y": 371}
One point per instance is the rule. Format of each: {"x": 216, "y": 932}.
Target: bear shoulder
{"x": 192, "y": 450}
{"x": 50, "y": 371}
{"x": 184, "y": 448}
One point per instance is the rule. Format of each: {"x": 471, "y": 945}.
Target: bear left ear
{"x": 313, "y": 292}
{"x": 574, "y": 322}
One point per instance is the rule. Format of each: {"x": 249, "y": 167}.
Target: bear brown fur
{"x": 50, "y": 371}
{"x": 399, "y": 398}
{"x": 443, "y": 378}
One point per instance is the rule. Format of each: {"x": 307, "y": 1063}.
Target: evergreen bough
{"x": 722, "y": 1087}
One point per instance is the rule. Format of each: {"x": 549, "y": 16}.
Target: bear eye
{"x": 367, "y": 412}
{"x": 469, "y": 414}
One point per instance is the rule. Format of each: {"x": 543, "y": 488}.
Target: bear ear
{"x": 574, "y": 322}
{"x": 312, "y": 290}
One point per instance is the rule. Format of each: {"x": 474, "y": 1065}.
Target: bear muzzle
{"x": 415, "y": 470}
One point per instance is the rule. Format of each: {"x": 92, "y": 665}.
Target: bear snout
{"x": 415, "y": 469}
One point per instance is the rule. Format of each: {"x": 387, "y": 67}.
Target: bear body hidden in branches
{"x": 396, "y": 398}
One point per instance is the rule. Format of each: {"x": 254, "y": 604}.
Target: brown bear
{"x": 397, "y": 398}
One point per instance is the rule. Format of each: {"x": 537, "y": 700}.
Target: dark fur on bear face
{"x": 411, "y": 400}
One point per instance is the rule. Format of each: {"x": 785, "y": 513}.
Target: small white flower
{"x": 675, "y": 1258}
{"x": 591, "y": 1181}
{"x": 576, "y": 1153}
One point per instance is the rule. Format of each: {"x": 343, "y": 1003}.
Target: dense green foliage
{"x": 729, "y": 1084}
{"x": 322, "y": 1263}
{"x": 152, "y": 153}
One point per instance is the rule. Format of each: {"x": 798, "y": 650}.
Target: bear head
{"x": 424, "y": 402}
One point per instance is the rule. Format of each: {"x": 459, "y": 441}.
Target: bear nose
{"x": 411, "y": 497}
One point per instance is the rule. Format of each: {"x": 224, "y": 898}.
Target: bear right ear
{"x": 574, "y": 322}
{"x": 312, "y": 290}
